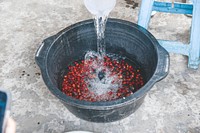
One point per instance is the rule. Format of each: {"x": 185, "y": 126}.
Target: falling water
{"x": 100, "y": 25}
{"x": 103, "y": 81}
{"x": 100, "y": 9}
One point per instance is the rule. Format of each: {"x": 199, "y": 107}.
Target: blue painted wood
{"x": 178, "y": 8}
{"x": 145, "y": 13}
{"x": 195, "y": 37}
{"x": 191, "y": 50}
{"x": 175, "y": 47}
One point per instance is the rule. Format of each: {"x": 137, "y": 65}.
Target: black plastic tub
{"x": 122, "y": 38}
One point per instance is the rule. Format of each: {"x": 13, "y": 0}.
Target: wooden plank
{"x": 175, "y": 47}
{"x": 194, "y": 56}
{"x": 179, "y": 8}
{"x": 145, "y": 13}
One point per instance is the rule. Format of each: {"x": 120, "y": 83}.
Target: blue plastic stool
{"x": 191, "y": 50}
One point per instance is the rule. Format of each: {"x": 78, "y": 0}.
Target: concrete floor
{"x": 172, "y": 106}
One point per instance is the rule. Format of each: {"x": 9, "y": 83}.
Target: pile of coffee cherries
{"x": 75, "y": 85}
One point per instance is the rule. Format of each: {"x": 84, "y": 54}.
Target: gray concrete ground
{"x": 172, "y": 106}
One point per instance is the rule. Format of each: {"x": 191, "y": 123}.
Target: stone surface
{"x": 172, "y": 106}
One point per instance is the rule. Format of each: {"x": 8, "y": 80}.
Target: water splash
{"x": 102, "y": 81}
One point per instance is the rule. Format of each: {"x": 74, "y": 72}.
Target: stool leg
{"x": 195, "y": 37}
{"x": 145, "y": 13}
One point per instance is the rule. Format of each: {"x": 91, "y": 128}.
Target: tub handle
{"x": 163, "y": 64}
{"x": 42, "y": 51}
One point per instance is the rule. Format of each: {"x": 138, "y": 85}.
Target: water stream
{"x": 100, "y": 25}
{"x": 102, "y": 82}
